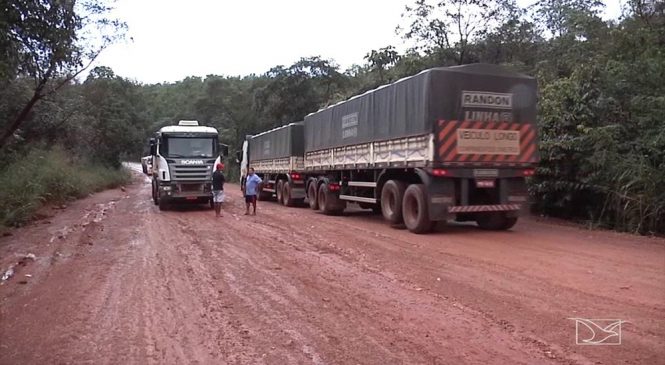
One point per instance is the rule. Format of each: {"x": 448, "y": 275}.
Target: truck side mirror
{"x": 153, "y": 147}
{"x": 223, "y": 150}
{"x": 238, "y": 156}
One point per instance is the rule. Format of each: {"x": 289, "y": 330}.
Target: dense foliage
{"x": 602, "y": 102}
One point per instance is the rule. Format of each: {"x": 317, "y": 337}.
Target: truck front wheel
{"x": 392, "y": 195}
{"x": 415, "y": 210}
{"x": 154, "y": 193}
{"x": 311, "y": 196}
{"x": 496, "y": 221}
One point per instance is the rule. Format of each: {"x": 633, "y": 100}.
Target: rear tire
{"x": 392, "y": 195}
{"x": 329, "y": 204}
{"x": 264, "y": 195}
{"x": 496, "y": 221}
{"x": 415, "y": 209}
{"x": 312, "y": 196}
{"x": 278, "y": 191}
{"x": 286, "y": 195}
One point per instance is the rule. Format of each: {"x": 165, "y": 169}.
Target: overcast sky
{"x": 171, "y": 40}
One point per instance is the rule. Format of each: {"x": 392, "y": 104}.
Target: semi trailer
{"x": 277, "y": 156}
{"x": 447, "y": 143}
{"x": 183, "y": 160}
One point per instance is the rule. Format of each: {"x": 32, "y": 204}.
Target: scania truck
{"x": 183, "y": 159}
{"x": 447, "y": 143}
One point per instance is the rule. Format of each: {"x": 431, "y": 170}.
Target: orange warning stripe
{"x": 447, "y": 142}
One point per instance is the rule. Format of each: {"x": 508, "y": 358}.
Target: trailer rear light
{"x": 333, "y": 187}
{"x": 528, "y": 172}
{"x": 296, "y": 176}
{"x": 439, "y": 172}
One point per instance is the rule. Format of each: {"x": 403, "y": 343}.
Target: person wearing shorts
{"x": 218, "y": 189}
{"x": 252, "y": 183}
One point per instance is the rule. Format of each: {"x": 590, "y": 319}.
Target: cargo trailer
{"x": 277, "y": 156}
{"x": 447, "y": 143}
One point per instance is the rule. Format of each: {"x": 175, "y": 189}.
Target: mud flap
{"x": 514, "y": 191}
{"x": 440, "y": 195}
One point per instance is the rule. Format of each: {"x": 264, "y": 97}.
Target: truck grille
{"x": 190, "y": 173}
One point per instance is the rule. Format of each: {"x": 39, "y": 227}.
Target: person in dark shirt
{"x": 218, "y": 189}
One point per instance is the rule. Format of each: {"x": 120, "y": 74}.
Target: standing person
{"x": 218, "y": 189}
{"x": 252, "y": 182}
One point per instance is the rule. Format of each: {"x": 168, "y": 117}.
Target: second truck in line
{"x": 447, "y": 143}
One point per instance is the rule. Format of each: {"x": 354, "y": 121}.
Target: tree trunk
{"x": 21, "y": 117}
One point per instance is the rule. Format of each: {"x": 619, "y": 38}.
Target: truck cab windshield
{"x": 188, "y": 147}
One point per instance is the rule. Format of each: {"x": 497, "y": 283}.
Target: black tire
{"x": 278, "y": 191}
{"x": 287, "y": 200}
{"x": 415, "y": 209}
{"x": 496, "y": 221}
{"x": 155, "y": 199}
{"x": 163, "y": 205}
{"x": 329, "y": 204}
{"x": 312, "y": 196}
{"x": 264, "y": 195}
{"x": 392, "y": 195}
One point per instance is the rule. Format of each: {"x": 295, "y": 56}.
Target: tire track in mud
{"x": 294, "y": 254}
{"x": 292, "y": 286}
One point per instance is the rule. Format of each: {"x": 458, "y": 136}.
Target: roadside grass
{"x": 43, "y": 177}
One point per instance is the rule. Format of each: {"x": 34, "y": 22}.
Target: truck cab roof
{"x": 176, "y": 129}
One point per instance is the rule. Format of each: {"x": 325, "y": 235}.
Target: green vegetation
{"x": 601, "y": 120}
{"x": 49, "y": 176}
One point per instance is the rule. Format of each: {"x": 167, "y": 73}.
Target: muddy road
{"x": 116, "y": 281}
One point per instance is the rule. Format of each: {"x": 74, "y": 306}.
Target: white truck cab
{"x": 183, "y": 160}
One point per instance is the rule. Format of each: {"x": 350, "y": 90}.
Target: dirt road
{"x": 116, "y": 281}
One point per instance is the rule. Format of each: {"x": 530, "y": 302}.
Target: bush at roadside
{"x": 43, "y": 176}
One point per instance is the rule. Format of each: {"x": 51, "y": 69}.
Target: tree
{"x": 448, "y": 27}
{"x": 44, "y": 42}
{"x": 381, "y": 60}
{"x": 293, "y": 92}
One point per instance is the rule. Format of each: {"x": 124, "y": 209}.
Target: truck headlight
{"x": 166, "y": 188}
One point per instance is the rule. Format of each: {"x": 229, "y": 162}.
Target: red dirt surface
{"x": 116, "y": 281}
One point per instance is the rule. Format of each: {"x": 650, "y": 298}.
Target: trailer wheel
{"x": 496, "y": 221}
{"x": 264, "y": 195}
{"x": 329, "y": 204}
{"x": 278, "y": 191}
{"x": 312, "y": 197}
{"x": 392, "y": 195}
{"x": 414, "y": 207}
{"x": 286, "y": 195}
